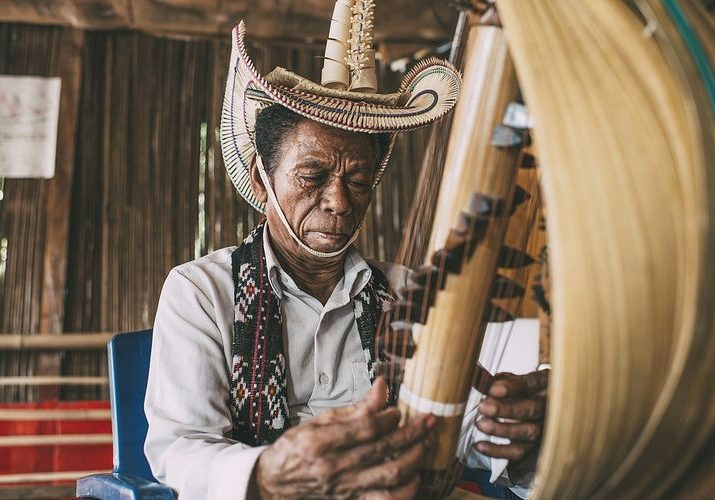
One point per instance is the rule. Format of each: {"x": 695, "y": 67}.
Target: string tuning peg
{"x": 512, "y": 258}
{"x": 495, "y": 314}
{"x": 528, "y": 161}
{"x": 482, "y": 379}
{"x": 482, "y": 205}
{"x": 520, "y": 196}
{"x": 397, "y": 343}
{"x": 428, "y": 275}
{"x": 506, "y": 288}
{"x": 418, "y": 294}
{"x": 403, "y": 310}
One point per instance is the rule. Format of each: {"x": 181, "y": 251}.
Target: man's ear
{"x": 259, "y": 190}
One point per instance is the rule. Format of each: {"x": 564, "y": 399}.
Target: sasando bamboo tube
{"x": 447, "y": 346}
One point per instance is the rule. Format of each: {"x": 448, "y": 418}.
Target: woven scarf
{"x": 258, "y": 397}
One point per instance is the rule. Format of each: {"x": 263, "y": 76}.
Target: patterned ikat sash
{"x": 258, "y": 398}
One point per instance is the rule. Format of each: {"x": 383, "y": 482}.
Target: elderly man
{"x": 260, "y": 383}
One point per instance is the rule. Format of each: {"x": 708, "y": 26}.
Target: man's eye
{"x": 313, "y": 179}
{"x": 359, "y": 184}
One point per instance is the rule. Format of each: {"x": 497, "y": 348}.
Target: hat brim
{"x": 430, "y": 90}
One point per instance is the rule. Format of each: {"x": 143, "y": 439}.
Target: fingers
{"x": 516, "y": 431}
{"x": 508, "y": 385}
{"x": 347, "y": 434}
{"x": 374, "y": 401}
{"x": 392, "y": 444}
{"x": 388, "y": 475}
{"x": 516, "y": 451}
{"x": 519, "y": 409}
{"x": 522, "y": 399}
{"x": 405, "y": 491}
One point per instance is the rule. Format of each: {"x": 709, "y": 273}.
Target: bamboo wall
{"x": 139, "y": 188}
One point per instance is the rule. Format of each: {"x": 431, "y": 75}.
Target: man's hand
{"x": 353, "y": 452}
{"x": 520, "y": 400}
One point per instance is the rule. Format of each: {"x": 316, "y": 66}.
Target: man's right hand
{"x": 353, "y": 452}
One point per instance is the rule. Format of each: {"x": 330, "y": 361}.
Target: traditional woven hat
{"x": 347, "y": 97}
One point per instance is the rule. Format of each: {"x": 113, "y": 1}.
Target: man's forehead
{"x": 319, "y": 139}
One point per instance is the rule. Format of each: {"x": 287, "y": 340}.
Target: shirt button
{"x": 323, "y": 379}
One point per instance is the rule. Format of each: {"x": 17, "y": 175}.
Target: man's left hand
{"x": 514, "y": 408}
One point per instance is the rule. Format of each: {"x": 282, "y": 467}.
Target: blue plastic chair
{"x": 131, "y": 477}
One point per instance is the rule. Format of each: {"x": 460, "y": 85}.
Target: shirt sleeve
{"x": 186, "y": 399}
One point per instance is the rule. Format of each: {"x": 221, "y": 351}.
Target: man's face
{"x": 323, "y": 182}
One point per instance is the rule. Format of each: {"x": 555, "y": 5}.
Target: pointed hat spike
{"x": 361, "y": 55}
{"x": 335, "y": 74}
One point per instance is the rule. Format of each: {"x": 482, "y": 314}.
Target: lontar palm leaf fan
{"x": 622, "y": 97}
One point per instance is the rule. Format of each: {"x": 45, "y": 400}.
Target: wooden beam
{"x": 397, "y": 19}
{"x": 83, "y": 14}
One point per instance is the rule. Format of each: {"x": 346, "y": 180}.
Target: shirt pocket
{"x": 361, "y": 380}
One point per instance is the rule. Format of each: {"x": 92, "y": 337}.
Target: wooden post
{"x": 67, "y": 64}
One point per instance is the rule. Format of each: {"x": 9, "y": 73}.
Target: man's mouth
{"x": 332, "y": 237}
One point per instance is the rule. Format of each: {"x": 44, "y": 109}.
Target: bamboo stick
{"x": 60, "y": 380}
{"x": 53, "y": 342}
{"x": 37, "y": 477}
{"x": 441, "y": 370}
{"x": 55, "y": 440}
{"x": 49, "y": 414}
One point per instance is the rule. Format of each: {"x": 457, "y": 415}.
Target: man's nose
{"x": 336, "y": 197}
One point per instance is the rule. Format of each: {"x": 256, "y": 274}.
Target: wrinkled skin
{"x": 521, "y": 400}
{"x": 323, "y": 182}
{"x": 342, "y": 453}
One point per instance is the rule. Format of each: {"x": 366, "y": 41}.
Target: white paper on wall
{"x": 29, "y": 112}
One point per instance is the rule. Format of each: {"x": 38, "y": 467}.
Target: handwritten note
{"x": 29, "y": 112}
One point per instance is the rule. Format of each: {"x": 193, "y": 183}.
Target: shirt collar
{"x": 356, "y": 272}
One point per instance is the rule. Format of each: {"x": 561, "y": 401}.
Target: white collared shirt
{"x": 188, "y": 386}
{"x": 186, "y": 400}
{"x": 321, "y": 340}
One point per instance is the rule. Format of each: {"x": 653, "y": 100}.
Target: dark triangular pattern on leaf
{"x": 512, "y": 258}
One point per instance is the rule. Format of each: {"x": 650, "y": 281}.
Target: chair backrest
{"x": 129, "y": 355}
